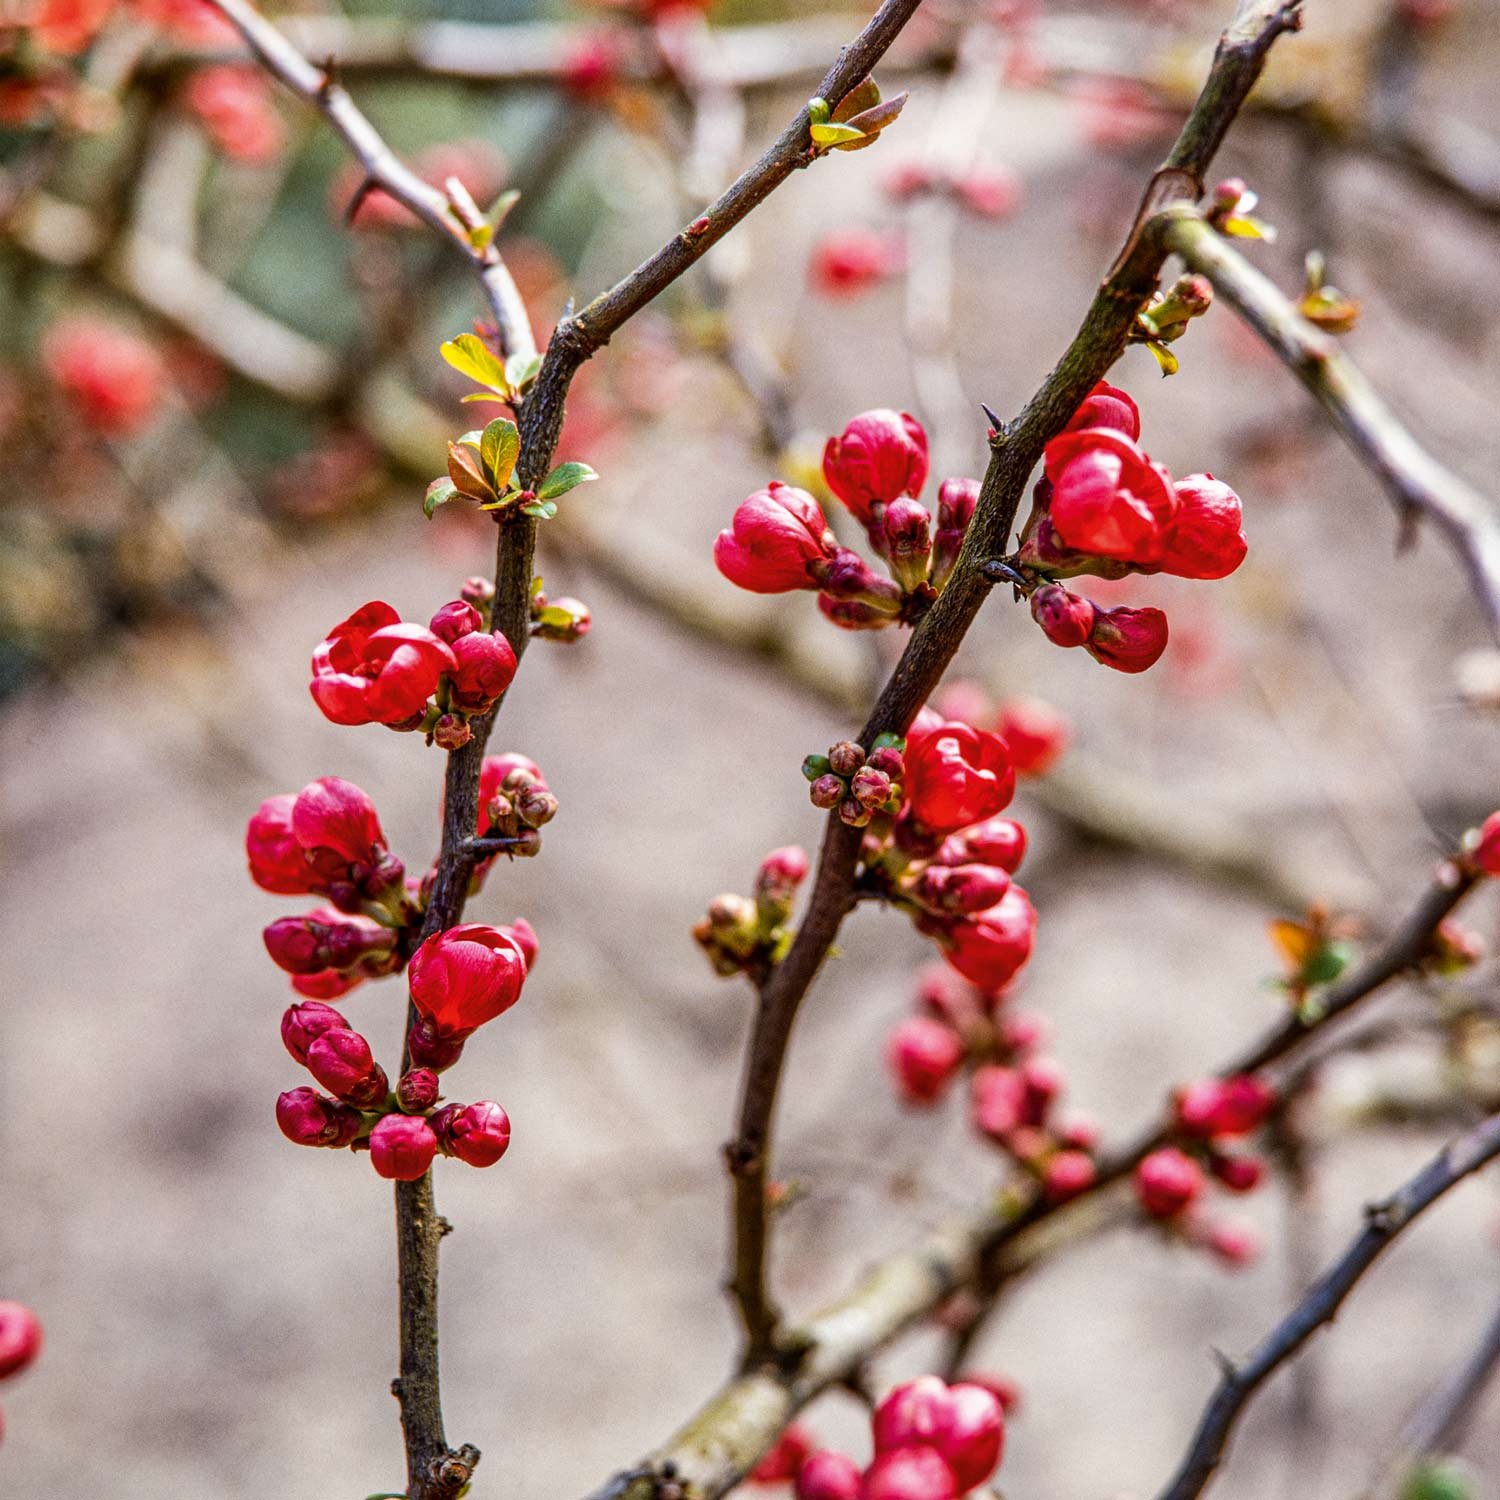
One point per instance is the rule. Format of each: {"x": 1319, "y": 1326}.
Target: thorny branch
{"x": 1384, "y": 1222}
{"x": 1015, "y": 451}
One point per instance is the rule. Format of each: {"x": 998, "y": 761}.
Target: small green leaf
{"x": 520, "y": 369}
{"x": 536, "y": 585}
{"x": 439, "y": 492}
{"x": 888, "y": 741}
{"x": 815, "y": 766}
{"x": 471, "y": 356}
{"x": 835, "y": 135}
{"x": 563, "y": 478}
{"x": 501, "y": 207}
{"x": 1242, "y": 226}
{"x": 541, "y": 510}
{"x": 499, "y": 448}
{"x": 817, "y": 111}
{"x": 554, "y": 617}
{"x": 1164, "y": 357}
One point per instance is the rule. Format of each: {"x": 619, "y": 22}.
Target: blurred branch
{"x": 1385, "y": 1221}
{"x": 383, "y": 168}
{"x": 1417, "y": 484}
{"x": 1438, "y": 1424}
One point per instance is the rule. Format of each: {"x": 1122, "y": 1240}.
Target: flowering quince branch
{"x": 1418, "y": 484}
{"x": 1384, "y": 1222}
{"x": 878, "y": 452}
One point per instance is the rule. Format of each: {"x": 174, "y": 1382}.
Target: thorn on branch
{"x": 998, "y": 570}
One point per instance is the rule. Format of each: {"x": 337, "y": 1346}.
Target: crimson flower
{"x": 879, "y": 456}
{"x": 1204, "y": 539}
{"x": 1129, "y": 640}
{"x": 376, "y": 669}
{"x": 779, "y": 541}
{"x": 1107, "y": 406}
{"x": 466, "y": 976}
{"x": 990, "y": 947}
{"x": 956, "y": 775}
{"x": 1108, "y": 498}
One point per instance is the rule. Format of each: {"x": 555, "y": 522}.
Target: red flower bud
{"x": 879, "y": 456}
{"x": 466, "y": 976}
{"x": 476, "y": 1133}
{"x": 308, "y": 1119}
{"x": 478, "y": 591}
{"x": 455, "y": 620}
{"x": 564, "y": 620}
{"x": 303, "y": 1024}
{"x": 325, "y": 840}
{"x": 430, "y": 1050}
{"x": 1167, "y": 1181}
{"x": 989, "y": 948}
{"x": 1240, "y": 1174}
{"x": 923, "y": 1055}
{"x": 974, "y": 1435}
{"x": 20, "y": 1338}
{"x": 997, "y": 1098}
{"x": 780, "y": 873}
{"x": 486, "y": 665}
{"x": 535, "y": 806}
{"x": 870, "y": 788}
{"x": 113, "y": 378}
{"x": 1035, "y": 734}
{"x": 1129, "y": 640}
{"x": 785, "y": 1458}
{"x": 962, "y": 1424}
{"x": 1204, "y": 539}
{"x": 845, "y": 758}
{"x": 1108, "y": 498}
{"x": 1198, "y": 1108}
{"x": 827, "y": 791}
{"x": 590, "y": 66}
{"x": 342, "y": 1062}
{"x": 956, "y": 775}
{"x": 402, "y": 1147}
{"x": 779, "y": 541}
{"x": 1067, "y": 1174}
{"x": 324, "y": 939}
{"x": 960, "y": 889}
{"x": 996, "y": 841}
{"x": 417, "y": 1091}
{"x": 373, "y": 668}
{"x": 908, "y": 540}
{"x": 888, "y": 761}
{"x": 1107, "y": 406}
{"x": 1485, "y": 855}
{"x": 828, "y": 1475}
{"x": 1066, "y": 619}
{"x": 1234, "y": 1243}
{"x": 850, "y": 579}
{"x": 849, "y": 261}
{"x": 909, "y": 1474}
{"x": 1247, "y": 1102}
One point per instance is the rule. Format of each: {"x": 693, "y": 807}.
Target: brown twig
{"x": 1385, "y": 1221}
{"x": 320, "y": 88}
{"x": 1417, "y": 483}
{"x": 1015, "y": 452}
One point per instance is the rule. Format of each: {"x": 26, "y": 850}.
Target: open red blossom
{"x": 1035, "y": 734}
{"x": 1108, "y": 498}
{"x": 989, "y": 948}
{"x": 325, "y": 841}
{"x": 1129, "y": 640}
{"x": 1107, "y": 406}
{"x": 112, "y": 377}
{"x": 779, "y": 541}
{"x": 1204, "y": 539}
{"x": 956, "y": 775}
{"x": 375, "y": 669}
{"x": 466, "y": 976}
{"x": 879, "y": 456}
{"x": 484, "y": 664}
{"x": 333, "y": 817}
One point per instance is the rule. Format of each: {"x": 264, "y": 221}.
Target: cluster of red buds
{"x": 375, "y": 668}
{"x": 1104, "y": 507}
{"x": 744, "y": 935}
{"x": 858, "y": 785}
{"x": 1014, "y": 1087}
{"x": 932, "y": 1441}
{"x": 459, "y": 979}
{"x": 1170, "y": 1183}
{"x": 20, "y": 1342}
{"x": 780, "y": 539}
